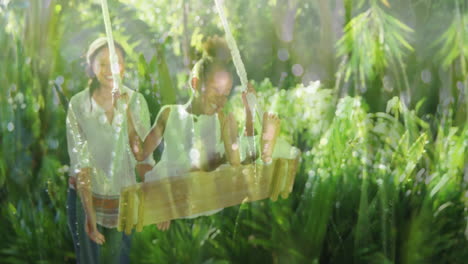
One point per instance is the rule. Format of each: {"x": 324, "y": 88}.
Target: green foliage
{"x": 382, "y": 179}
{"x": 372, "y": 41}
{"x": 313, "y": 104}
{"x": 454, "y": 41}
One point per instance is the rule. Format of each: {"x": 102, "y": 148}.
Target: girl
{"x": 99, "y": 166}
{"x": 197, "y": 135}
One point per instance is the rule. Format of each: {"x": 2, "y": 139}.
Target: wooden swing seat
{"x": 198, "y": 192}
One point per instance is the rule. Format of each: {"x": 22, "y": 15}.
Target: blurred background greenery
{"x": 372, "y": 91}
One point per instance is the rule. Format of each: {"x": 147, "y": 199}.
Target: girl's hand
{"x": 250, "y": 89}
{"x": 249, "y": 129}
{"x": 231, "y": 144}
{"x": 163, "y": 226}
{"x": 195, "y": 83}
{"x": 142, "y": 169}
{"x": 271, "y": 128}
{"x": 92, "y": 231}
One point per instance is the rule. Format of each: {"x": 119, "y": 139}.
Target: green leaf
{"x": 398, "y": 23}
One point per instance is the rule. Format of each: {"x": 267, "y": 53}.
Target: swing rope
{"x": 238, "y": 64}
{"x": 251, "y": 98}
{"x": 112, "y": 55}
{"x": 117, "y": 163}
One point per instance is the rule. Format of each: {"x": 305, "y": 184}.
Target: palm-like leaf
{"x": 372, "y": 41}
{"x": 454, "y": 41}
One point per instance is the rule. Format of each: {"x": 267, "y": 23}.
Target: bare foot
{"x": 270, "y": 131}
{"x": 231, "y": 144}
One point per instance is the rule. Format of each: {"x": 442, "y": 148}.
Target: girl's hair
{"x": 93, "y": 50}
{"x": 216, "y": 53}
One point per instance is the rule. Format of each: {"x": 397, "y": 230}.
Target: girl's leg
{"x": 72, "y": 221}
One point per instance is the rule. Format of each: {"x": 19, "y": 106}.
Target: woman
{"x": 101, "y": 162}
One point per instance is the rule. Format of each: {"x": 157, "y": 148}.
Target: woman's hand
{"x": 92, "y": 231}
{"x": 84, "y": 191}
{"x": 116, "y": 96}
{"x": 136, "y": 143}
{"x": 163, "y": 226}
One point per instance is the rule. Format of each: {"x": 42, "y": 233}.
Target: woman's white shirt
{"x": 95, "y": 142}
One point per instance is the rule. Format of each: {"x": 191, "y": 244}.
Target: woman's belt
{"x": 98, "y": 202}
{"x": 105, "y": 203}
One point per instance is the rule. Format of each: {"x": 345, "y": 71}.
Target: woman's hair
{"x": 216, "y": 53}
{"x": 94, "y": 49}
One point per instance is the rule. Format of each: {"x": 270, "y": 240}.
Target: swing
{"x": 197, "y": 192}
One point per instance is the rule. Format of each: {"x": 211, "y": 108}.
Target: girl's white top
{"x": 94, "y": 142}
{"x": 190, "y": 141}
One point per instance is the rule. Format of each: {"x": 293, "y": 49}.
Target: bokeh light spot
{"x": 297, "y": 70}
{"x": 283, "y": 54}
{"x": 426, "y": 76}
{"x": 10, "y": 126}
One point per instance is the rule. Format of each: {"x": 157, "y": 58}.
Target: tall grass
{"x": 368, "y": 191}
